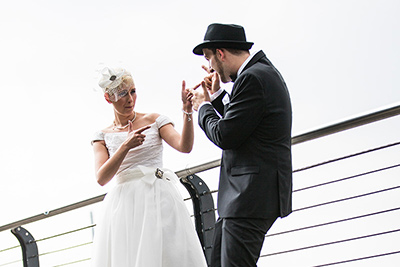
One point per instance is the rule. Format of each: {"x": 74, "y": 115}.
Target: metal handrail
{"x": 347, "y": 124}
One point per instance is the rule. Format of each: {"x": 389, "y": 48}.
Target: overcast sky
{"x": 339, "y": 58}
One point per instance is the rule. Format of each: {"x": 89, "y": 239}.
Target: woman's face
{"x": 126, "y": 100}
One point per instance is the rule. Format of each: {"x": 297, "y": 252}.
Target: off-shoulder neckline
{"x": 102, "y": 131}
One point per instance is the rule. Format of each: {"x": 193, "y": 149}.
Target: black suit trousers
{"x": 238, "y": 241}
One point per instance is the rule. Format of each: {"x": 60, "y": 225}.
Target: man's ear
{"x": 107, "y": 97}
{"x": 221, "y": 54}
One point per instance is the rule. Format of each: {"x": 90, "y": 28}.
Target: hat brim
{"x": 198, "y": 50}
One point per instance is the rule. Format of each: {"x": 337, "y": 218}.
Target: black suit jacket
{"x": 255, "y": 135}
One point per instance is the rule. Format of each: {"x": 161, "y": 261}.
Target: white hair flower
{"x": 111, "y": 80}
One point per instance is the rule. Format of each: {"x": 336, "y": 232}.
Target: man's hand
{"x": 212, "y": 80}
{"x": 200, "y": 96}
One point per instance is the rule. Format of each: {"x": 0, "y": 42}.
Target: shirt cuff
{"x": 216, "y": 94}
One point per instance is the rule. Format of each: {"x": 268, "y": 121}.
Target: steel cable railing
{"x": 336, "y": 160}
{"x": 334, "y": 222}
{"x": 346, "y": 198}
{"x": 332, "y": 243}
{"x": 301, "y": 138}
{"x": 359, "y": 259}
{"x": 11, "y": 262}
{"x": 9, "y": 249}
{"x": 69, "y": 247}
{"x": 65, "y": 233}
{"x": 348, "y": 178}
{"x": 72, "y": 262}
{"x": 56, "y": 250}
{"x": 65, "y": 249}
{"x": 368, "y": 118}
{"x": 347, "y": 157}
{"x": 350, "y": 123}
{"x": 343, "y": 179}
{"x": 342, "y": 200}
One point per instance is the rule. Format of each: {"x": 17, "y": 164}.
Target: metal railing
{"x": 308, "y": 136}
{"x": 341, "y": 126}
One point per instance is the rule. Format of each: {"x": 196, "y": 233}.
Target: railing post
{"x": 204, "y": 211}
{"x": 28, "y": 245}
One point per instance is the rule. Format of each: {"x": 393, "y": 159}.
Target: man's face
{"x": 216, "y": 64}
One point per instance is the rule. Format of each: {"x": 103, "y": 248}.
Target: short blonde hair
{"x": 126, "y": 80}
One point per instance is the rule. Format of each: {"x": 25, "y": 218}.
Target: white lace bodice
{"x": 149, "y": 154}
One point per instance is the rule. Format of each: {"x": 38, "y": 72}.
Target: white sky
{"x": 338, "y": 57}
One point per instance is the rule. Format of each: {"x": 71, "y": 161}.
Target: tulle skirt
{"x": 146, "y": 224}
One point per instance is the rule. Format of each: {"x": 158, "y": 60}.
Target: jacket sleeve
{"x": 218, "y": 104}
{"x": 242, "y": 114}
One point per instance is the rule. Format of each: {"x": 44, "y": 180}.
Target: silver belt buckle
{"x": 159, "y": 173}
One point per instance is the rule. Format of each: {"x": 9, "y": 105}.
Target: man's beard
{"x": 221, "y": 71}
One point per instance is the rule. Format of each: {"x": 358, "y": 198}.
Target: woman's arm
{"x": 181, "y": 142}
{"x": 106, "y": 167}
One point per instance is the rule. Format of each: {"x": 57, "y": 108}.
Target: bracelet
{"x": 188, "y": 114}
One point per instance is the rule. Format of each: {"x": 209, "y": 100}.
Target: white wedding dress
{"x": 145, "y": 222}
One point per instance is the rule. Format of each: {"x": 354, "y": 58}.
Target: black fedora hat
{"x": 223, "y": 36}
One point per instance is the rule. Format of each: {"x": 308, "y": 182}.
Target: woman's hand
{"x": 135, "y": 138}
{"x": 187, "y": 95}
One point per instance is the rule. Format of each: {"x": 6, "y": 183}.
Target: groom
{"x": 254, "y": 132}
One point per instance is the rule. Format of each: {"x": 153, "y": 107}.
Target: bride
{"x": 145, "y": 222}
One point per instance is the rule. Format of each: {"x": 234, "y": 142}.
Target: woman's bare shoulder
{"x": 150, "y": 117}
{"x": 108, "y": 129}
